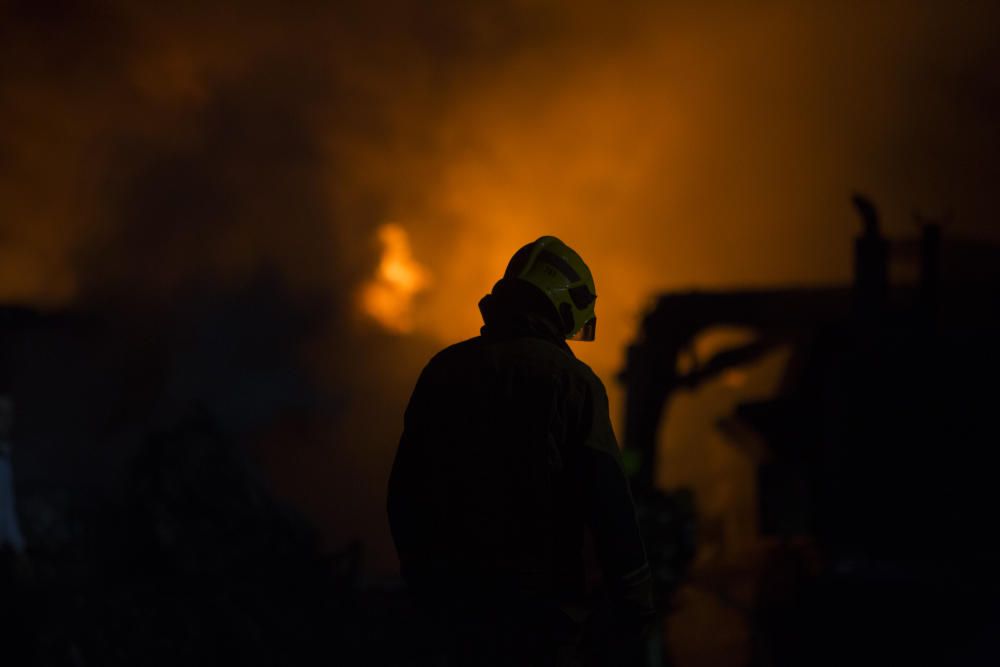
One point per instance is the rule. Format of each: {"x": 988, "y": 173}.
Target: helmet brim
{"x": 587, "y": 332}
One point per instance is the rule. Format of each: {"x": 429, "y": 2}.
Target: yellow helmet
{"x": 555, "y": 269}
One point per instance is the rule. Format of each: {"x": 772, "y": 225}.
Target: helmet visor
{"x": 588, "y": 331}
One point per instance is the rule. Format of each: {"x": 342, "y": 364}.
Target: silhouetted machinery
{"x": 876, "y": 447}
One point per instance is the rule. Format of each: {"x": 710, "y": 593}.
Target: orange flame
{"x": 388, "y": 297}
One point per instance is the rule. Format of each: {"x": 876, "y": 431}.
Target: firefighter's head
{"x": 561, "y": 275}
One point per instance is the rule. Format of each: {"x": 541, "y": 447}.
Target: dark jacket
{"x": 506, "y": 457}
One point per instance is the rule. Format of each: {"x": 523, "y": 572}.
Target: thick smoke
{"x": 209, "y": 179}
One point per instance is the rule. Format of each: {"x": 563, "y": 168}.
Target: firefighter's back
{"x": 482, "y": 487}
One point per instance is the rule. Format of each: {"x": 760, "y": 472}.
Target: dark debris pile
{"x": 192, "y": 562}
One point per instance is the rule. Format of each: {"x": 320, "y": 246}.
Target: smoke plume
{"x": 222, "y": 170}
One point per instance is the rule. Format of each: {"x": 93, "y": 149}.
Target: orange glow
{"x": 735, "y": 378}
{"x": 388, "y": 297}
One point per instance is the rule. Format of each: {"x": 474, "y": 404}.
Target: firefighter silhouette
{"x": 507, "y": 458}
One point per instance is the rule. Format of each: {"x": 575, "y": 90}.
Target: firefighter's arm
{"x": 407, "y": 479}
{"x": 610, "y": 513}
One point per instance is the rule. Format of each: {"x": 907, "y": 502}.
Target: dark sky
{"x": 164, "y": 156}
